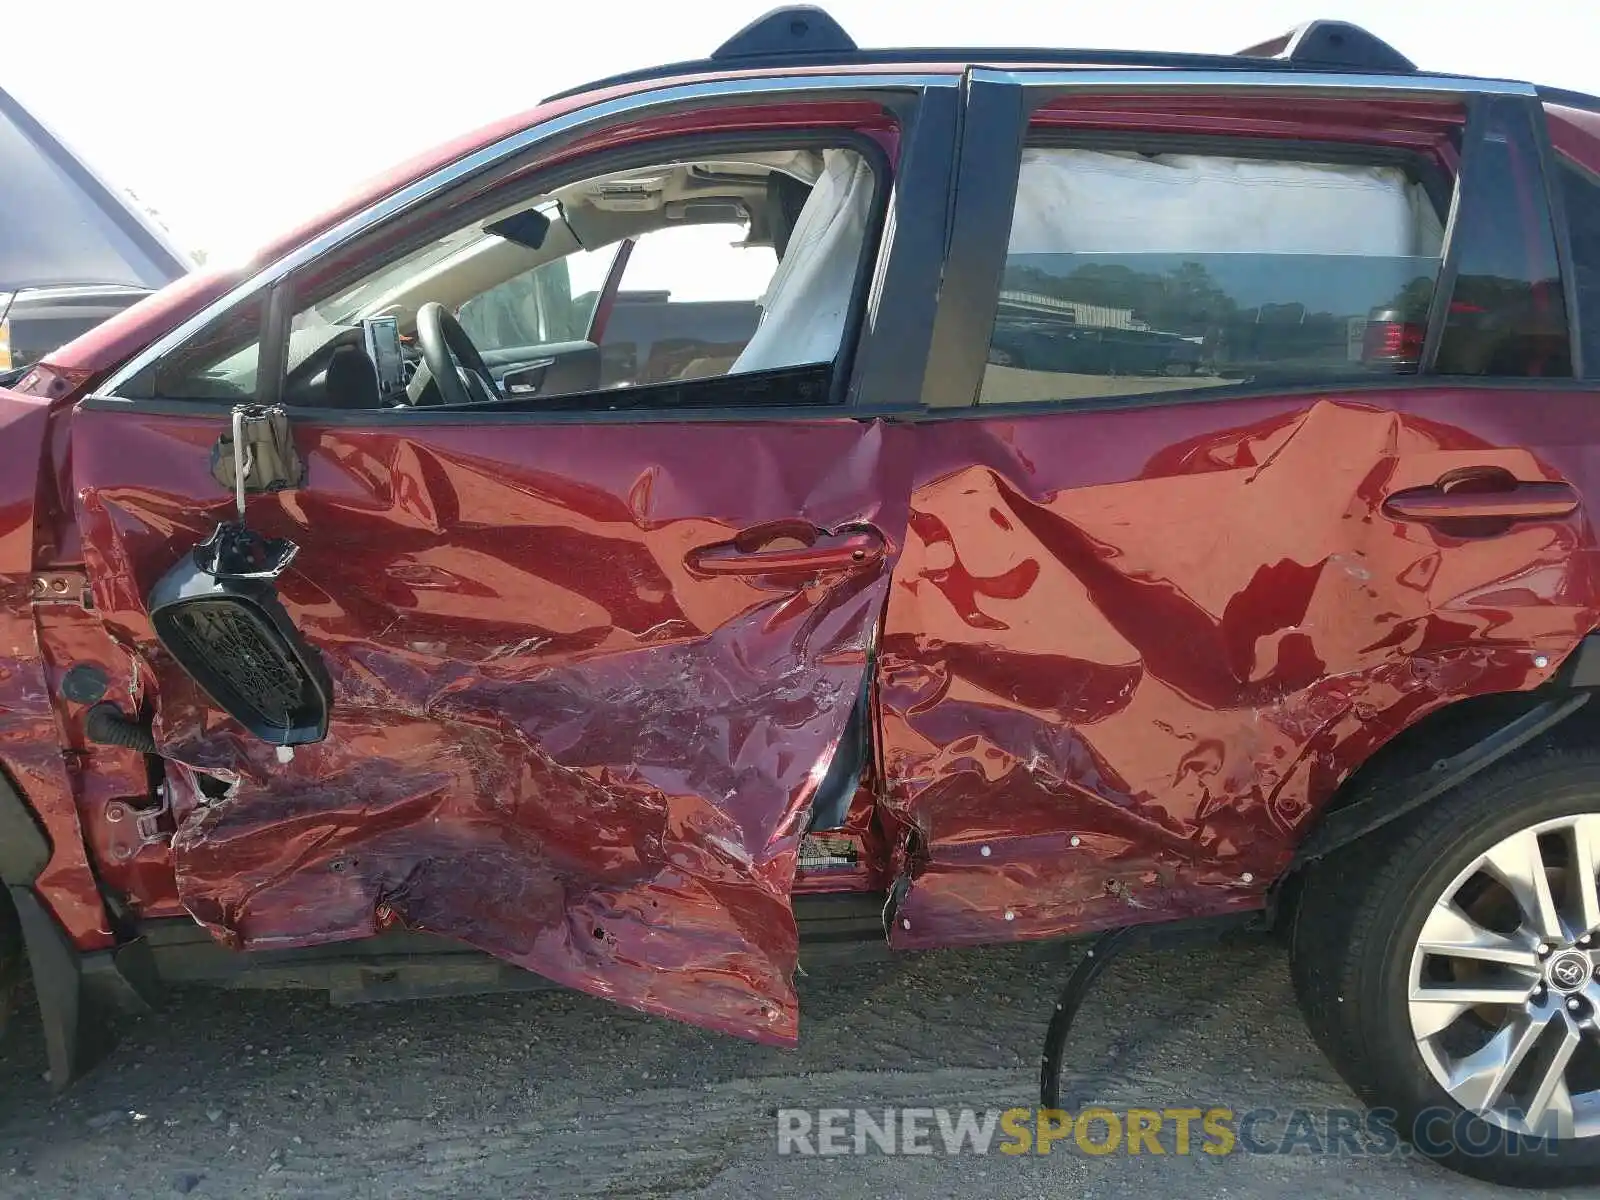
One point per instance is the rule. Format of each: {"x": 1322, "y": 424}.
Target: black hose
{"x": 105, "y": 724}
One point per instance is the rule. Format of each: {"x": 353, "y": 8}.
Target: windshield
{"x": 349, "y": 306}
{"x": 553, "y": 302}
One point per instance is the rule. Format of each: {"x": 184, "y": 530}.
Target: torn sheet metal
{"x": 112, "y": 785}
{"x": 30, "y": 748}
{"x": 1129, "y": 654}
{"x": 552, "y": 738}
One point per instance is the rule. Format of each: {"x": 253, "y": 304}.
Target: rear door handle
{"x": 1516, "y": 502}
{"x": 757, "y": 552}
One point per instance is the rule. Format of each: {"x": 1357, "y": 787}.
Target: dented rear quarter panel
{"x": 1130, "y": 654}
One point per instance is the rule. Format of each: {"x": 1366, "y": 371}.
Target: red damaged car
{"x": 613, "y": 547}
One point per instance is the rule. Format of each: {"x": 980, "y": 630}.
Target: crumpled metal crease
{"x": 1132, "y": 654}
{"x": 551, "y": 740}
{"x": 30, "y": 733}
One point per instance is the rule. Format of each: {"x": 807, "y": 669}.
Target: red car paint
{"x": 555, "y": 740}
{"x": 1134, "y": 654}
{"x": 1576, "y": 134}
{"x": 1126, "y": 656}
{"x": 31, "y": 740}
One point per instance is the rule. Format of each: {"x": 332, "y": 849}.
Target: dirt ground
{"x": 553, "y": 1093}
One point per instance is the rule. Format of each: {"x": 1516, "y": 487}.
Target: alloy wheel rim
{"x": 1503, "y": 997}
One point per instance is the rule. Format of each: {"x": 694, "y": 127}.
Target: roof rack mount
{"x": 798, "y": 29}
{"x": 805, "y": 35}
{"x": 1339, "y": 45}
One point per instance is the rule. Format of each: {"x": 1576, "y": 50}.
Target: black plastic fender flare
{"x": 1345, "y": 825}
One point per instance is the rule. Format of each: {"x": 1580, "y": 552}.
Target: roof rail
{"x": 1340, "y": 45}
{"x": 1570, "y": 99}
{"x": 803, "y": 35}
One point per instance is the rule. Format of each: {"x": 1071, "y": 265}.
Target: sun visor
{"x": 527, "y": 228}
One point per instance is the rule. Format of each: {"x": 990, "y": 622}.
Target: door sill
{"x": 403, "y": 964}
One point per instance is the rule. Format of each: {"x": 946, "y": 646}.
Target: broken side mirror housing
{"x": 217, "y": 612}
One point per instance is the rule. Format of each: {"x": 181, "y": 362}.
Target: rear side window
{"x": 1581, "y": 193}
{"x": 1131, "y": 273}
{"x": 1507, "y": 315}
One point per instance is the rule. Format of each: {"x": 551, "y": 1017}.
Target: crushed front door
{"x": 586, "y": 677}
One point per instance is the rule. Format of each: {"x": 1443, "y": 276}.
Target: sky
{"x": 236, "y": 120}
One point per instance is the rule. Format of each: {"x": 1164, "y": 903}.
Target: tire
{"x": 1373, "y": 997}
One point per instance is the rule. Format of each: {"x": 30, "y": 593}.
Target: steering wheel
{"x": 458, "y": 370}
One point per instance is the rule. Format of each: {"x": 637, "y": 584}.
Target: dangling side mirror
{"x": 218, "y": 614}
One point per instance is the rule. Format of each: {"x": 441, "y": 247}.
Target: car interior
{"x": 533, "y": 303}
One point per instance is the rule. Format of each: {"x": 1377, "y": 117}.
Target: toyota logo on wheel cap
{"x": 1569, "y": 971}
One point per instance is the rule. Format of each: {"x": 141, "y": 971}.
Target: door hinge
{"x": 62, "y": 587}
{"x": 139, "y": 826}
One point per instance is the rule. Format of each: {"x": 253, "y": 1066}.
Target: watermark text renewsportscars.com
{"x": 1098, "y": 1130}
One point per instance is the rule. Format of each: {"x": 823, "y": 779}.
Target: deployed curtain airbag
{"x": 804, "y": 310}
{"x": 1095, "y": 202}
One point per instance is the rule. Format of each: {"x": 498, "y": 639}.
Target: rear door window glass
{"x": 1131, "y": 273}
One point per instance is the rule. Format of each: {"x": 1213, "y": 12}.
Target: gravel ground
{"x": 554, "y": 1093}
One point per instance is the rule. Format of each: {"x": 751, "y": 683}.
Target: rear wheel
{"x": 1447, "y": 965}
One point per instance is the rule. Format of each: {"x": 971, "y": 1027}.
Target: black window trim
{"x": 272, "y": 354}
{"x": 1556, "y": 204}
{"x": 1444, "y": 284}
{"x": 1564, "y": 163}
{"x": 989, "y": 155}
{"x": 909, "y": 216}
{"x": 1410, "y": 384}
{"x": 1536, "y": 139}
